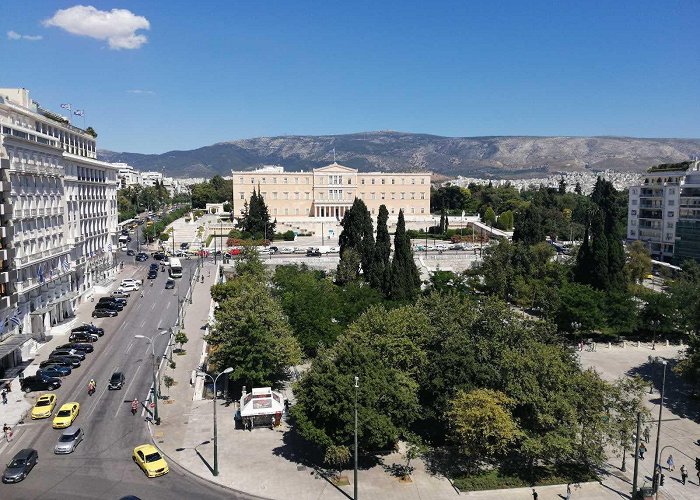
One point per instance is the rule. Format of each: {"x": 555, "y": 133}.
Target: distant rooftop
{"x": 671, "y": 167}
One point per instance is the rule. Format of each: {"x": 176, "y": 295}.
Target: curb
{"x": 205, "y": 479}
{"x": 506, "y": 491}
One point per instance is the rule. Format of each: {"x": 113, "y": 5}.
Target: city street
{"x": 101, "y": 466}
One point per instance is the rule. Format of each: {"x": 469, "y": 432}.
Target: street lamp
{"x": 658, "y": 428}
{"x": 156, "y": 419}
{"x": 357, "y": 385}
{"x": 654, "y": 325}
{"x": 216, "y": 447}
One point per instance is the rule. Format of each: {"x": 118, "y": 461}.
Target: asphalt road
{"x": 101, "y": 467}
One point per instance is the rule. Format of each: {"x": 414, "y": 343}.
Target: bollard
{"x": 638, "y": 343}
{"x": 667, "y": 344}
{"x": 609, "y": 345}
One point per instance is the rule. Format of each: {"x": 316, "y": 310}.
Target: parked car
{"x": 113, "y": 305}
{"x": 130, "y": 281}
{"x": 120, "y": 293}
{"x": 287, "y": 250}
{"x": 130, "y": 253}
{"x": 140, "y": 257}
{"x": 67, "y": 352}
{"x": 86, "y": 348}
{"x": 20, "y": 465}
{"x": 158, "y": 255}
{"x": 55, "y": 371}
{"x": 56, "y": 362}
{"x": 83, "y": 337}
{"x": 39, "y": 383}
{"x": 313, "y": 252}
{"x": 75, "y": 361}
{"x": 68, "y": 440}
{"x": 86, "y": 327}
{"x": 130, "y": 288}
{"x": 273, "y": 249}
{"x": 184, "y": 246}
{"x": 104, "y": 313}
{"x": 116, "y": 381}
{"x": 112, "y": 300}
{"x": 169, "y": 284}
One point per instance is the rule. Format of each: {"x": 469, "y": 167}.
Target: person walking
{"x": 684, "y": 473}
{"x": 642, "y": 451}
{"x": 568, "y": 492}
{"x": 7, "y": 431}
{"x": 670, "y": 464}
{"x": 534, "y": 494}
{"x": 4, "y": 396}
{"x": 647, "y": 434}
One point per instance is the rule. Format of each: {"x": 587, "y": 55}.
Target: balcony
{"x": 6, "y": 209}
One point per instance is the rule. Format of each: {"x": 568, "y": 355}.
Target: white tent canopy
{"x": 261, "y": 401}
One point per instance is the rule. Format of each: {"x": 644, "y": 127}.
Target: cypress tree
{"x": 600, "y": 277}
{"x": 381, "y": 266}
{"x": 358, "y": 235}
{"x": 441, "y": 227}
{"x": 577, "y": 188}
{"x": 405, "y": 278}
{"x": 583, "y": 260}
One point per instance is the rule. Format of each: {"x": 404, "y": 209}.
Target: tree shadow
{"x": 679, "y": 396}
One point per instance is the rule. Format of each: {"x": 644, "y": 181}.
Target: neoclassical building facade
{"x": 328, "y": 192}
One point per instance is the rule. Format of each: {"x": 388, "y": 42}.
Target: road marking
{"x": 153, "y": 307}
{"x": 143, "y": 323}
{"x": 128, "y": 347}
{"x": 133, "y": 377}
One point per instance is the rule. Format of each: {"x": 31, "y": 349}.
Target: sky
{"x": 155, "y": 76}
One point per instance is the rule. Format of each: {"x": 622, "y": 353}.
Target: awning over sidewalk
{"x": 12, "y": 343}
{"x": 261, "y": 401}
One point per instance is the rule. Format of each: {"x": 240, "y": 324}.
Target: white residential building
{"x": 59, "y": 218}
{"x": 668, "y": 197}
{"x": 127, "y": 175}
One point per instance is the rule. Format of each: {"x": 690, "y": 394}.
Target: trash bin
{"x": 645, "y": 493}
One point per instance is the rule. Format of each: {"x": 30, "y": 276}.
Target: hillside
{"x": 395, "y": 151}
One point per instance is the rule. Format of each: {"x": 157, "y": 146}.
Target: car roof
{"x": 146, "y": 448}
{"x": 46, "y": 396}
{"x": 117, "y": 374}
{"x": 25, "y": 453}
{"x": 70, "y": 430}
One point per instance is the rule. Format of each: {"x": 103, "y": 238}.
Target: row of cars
{"x": 63, "y": 359}
{"x": 112, "y": 305}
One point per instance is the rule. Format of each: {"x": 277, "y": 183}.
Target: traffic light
{"x": 697, "y": 464}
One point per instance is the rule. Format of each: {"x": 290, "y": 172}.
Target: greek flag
{"x": 66, "y": 106}
{"x": 65, "y": 265}
{"x": 40, "y": 273}
{"x": 15, "y": 318}
{"x": 109, "y": 248}
{"x": 79, "y": 112}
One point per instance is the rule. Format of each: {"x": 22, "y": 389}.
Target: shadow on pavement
{"x": 205, "y": 461}
{"x": 678, "y": 394}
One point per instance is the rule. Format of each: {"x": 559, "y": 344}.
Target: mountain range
{"x": 500, "y": 157}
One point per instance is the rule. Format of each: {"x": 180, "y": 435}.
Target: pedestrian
{"x": 4, "y": 396}
{"x": 568, "y": 492}
{"x": 642, "y": 451}
{"x": 670, "y": 464}
{"x": 684, "y": 473}
{"x": 7, "y": 431}
{"x": 647, "y": 434}
{"x": 534, "y": 494}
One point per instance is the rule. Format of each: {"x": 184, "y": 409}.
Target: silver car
{"x": 69, "y": 439}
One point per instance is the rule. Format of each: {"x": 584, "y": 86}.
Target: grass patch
{"x": 543, "y": 476}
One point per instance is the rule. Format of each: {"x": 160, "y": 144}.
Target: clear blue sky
{"x": 213, "y": 71}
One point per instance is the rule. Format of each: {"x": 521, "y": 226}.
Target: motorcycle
{"x": 91, "y": 389}
{"x": 134, "y": 408}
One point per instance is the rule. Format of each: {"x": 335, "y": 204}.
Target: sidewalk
{"x": 268, "y": 463}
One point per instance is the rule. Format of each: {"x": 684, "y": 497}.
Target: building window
{"x": 634, "y": 212}
{"x": 362, "y": 181}
{"x": 393, "y": 196}
{"x": 413, "y": 180}
{"x": 633, "y": 232}
{"x": 274, "y": 180}
{"x": 349, "y": 180}
{"x": 383, "y": 196}
{"x": 383, "y": 180}
{"x": 296, "y": 196}
{"x": 403, "y": 196}
{"x": 671, "y": 213}
{"x": 669, "y": 225}
{"x": 252, "y": 180}
{"x": 672, "y": 191}
{"x": 372, "y": 181}
{"x": 393, "y": 181}
{"x": 671, "y": 203}
{"x": 634, "y": 202}
{"x": 240, "y": 180}
{"x": 242, "y": 196}
{"x": 422, "y": 210}
{"x": 413, "y": 196}
{"x": 422, "y": 196}
{"x": 372, "y": 196}
{"x": 274, "y": 195}
{"x": 285, "y": 180}
{"x": 286, "y": 197}
{"x": 669, "y": 236}
{"x": 262, "y": 180}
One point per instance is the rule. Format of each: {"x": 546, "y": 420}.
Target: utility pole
{"x": 658, "y": 428}
{"x": 636, "y": 456}
{"x": 357, "y": 385}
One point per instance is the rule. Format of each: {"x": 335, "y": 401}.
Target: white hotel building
{"x": 59, "y": 217}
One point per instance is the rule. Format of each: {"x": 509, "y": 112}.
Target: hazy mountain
{"x": 396, "y": 151}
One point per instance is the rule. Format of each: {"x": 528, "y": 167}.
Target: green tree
{"x": 638, "y": 261}
{"x": 181, "y": 338}
{"x": 482, "y": 424}
{"x": 529, "y": 226}
{"x": 386, "y": 399}
{"x": 580, "y": 304}
{"x": 490, "y": 217}
{"x": 405, "y": 278}
{"x": 252, "y": 335}
{"x": 358, "y": 235}
{"x": 255, "y": 218}
{"x": 381, "y": 266}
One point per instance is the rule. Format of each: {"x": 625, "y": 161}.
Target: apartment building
{"x": 664, "y": 211}
{"x": 328, "y": 192}
{"x": 59, "y": 218}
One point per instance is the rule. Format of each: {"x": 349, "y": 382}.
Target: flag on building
{"x": 79, "y": 112}
{"x": 109, "y": 248}
{"x": 40, "y": 273}
{"x": 15, "y": 320}
{"x": 65, "y": 265}
{"x": 66, "y": 106}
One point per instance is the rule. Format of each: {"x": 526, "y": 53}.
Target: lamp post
{"x": 216, "y": 446}
{"x": 658, "y": 428}
{"x": 357, "y": 385}
{"x": 150, "y": 340}
{"x": 654, "y": 325}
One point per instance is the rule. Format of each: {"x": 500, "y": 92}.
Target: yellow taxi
{"x": 66, "y": 415}
{"x": 150, "y": 460}
{"x": 43, "y": 408}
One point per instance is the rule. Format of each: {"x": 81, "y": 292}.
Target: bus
{"x": 175, "y": 268}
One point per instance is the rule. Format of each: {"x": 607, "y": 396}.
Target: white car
{"x": 287, "y": 250}
{"x": 131, "y": 281}
{"x": 131, "y": 287}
